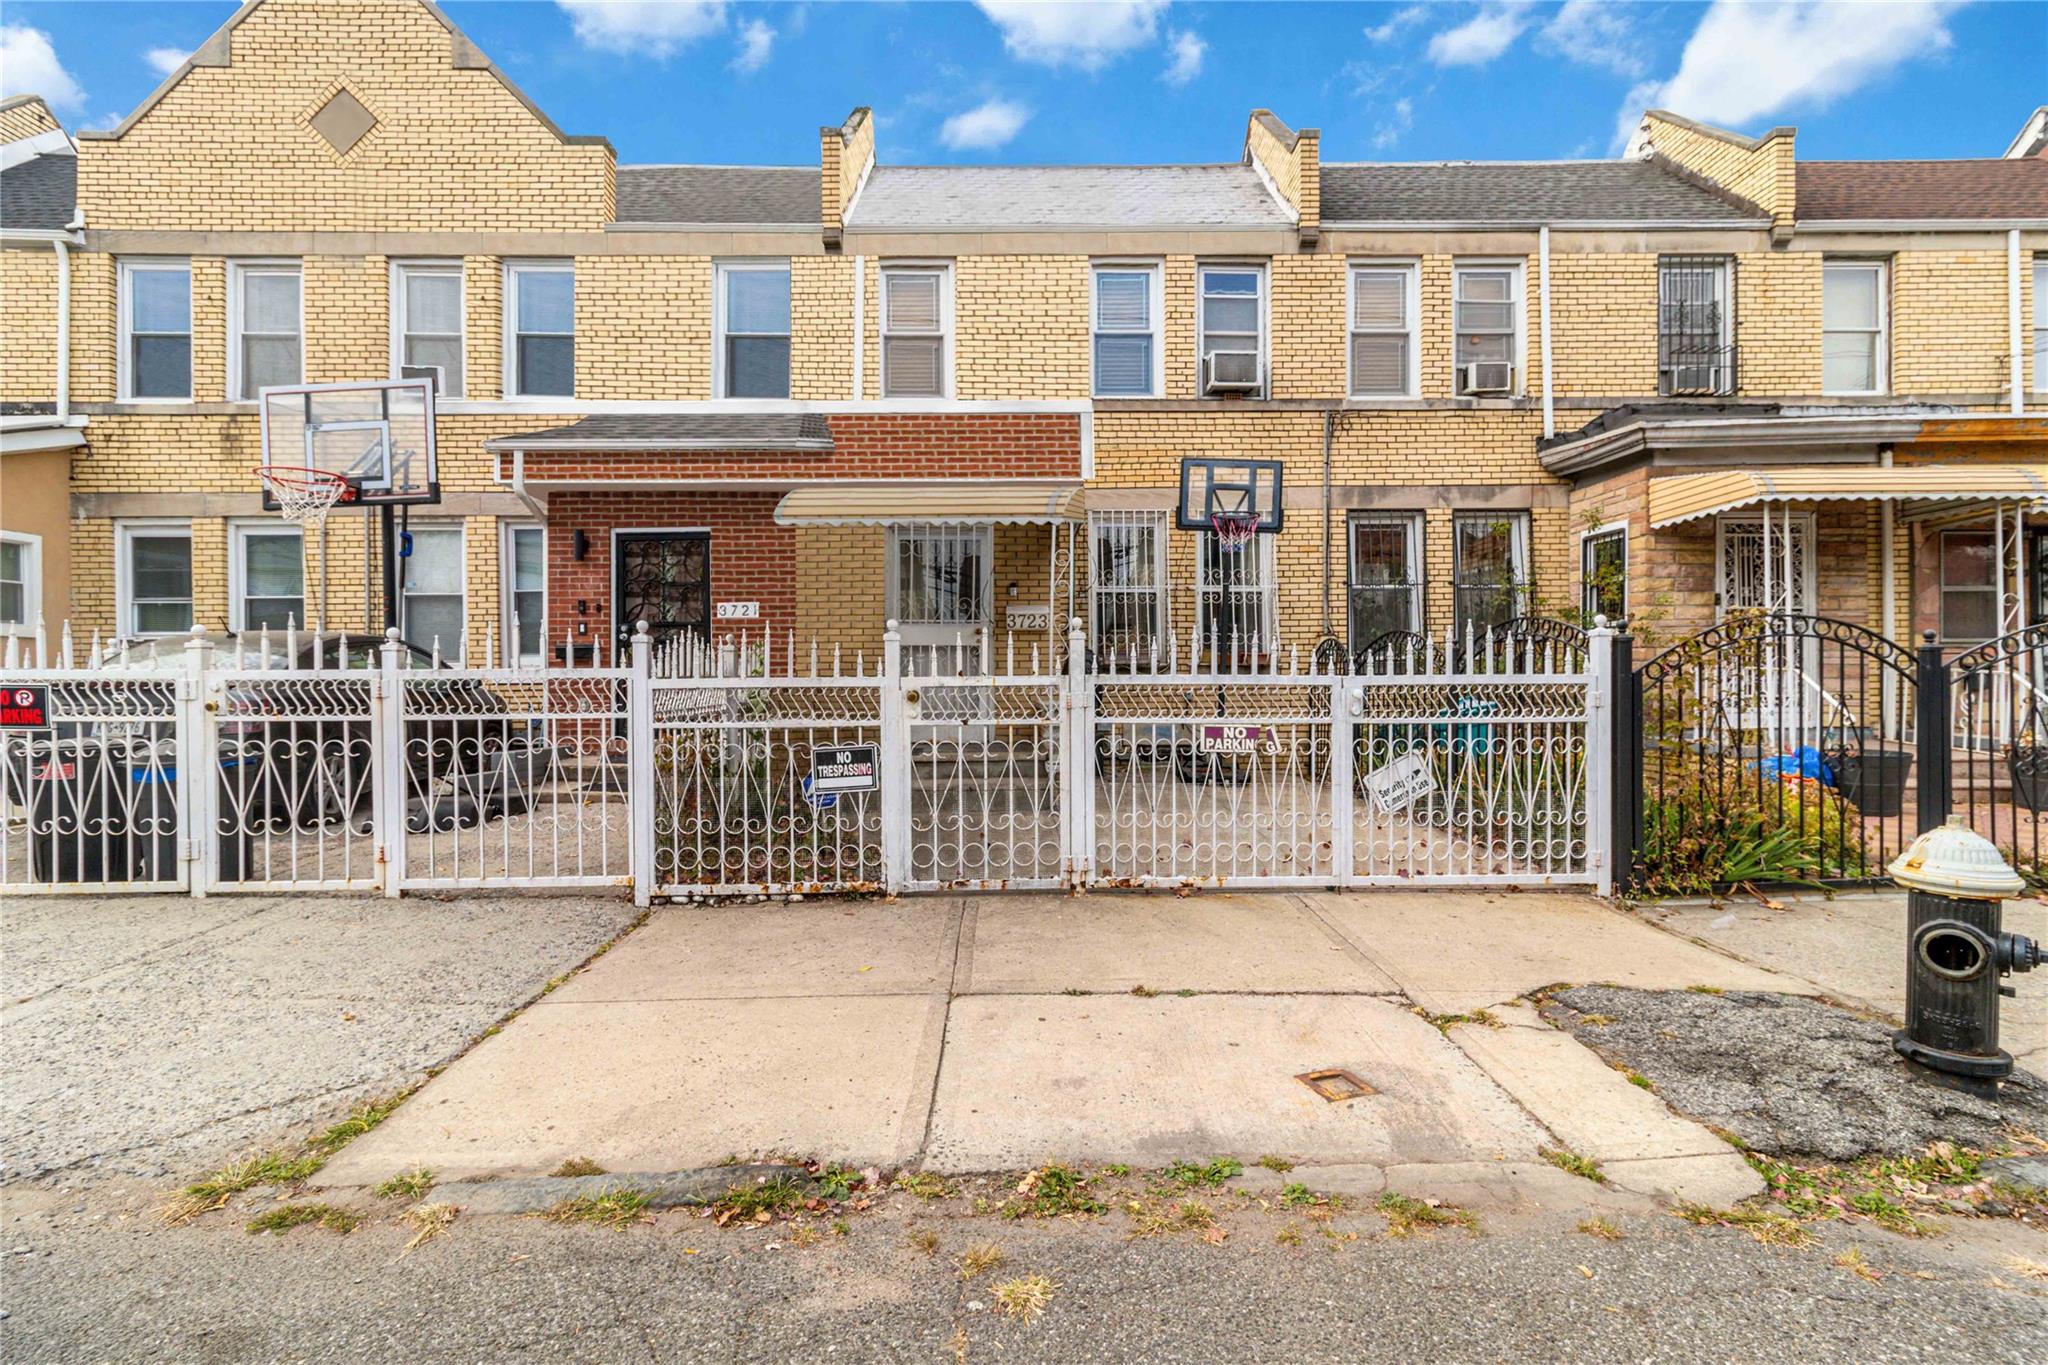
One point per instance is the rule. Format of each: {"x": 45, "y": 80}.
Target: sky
{"x": 1022, "y": 81}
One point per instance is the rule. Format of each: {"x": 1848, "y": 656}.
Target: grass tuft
{"x": 428, "y": 1222}
{"x": 577, "y": 1165}
{"x": 758, "y": 1202}
{"x": 1211, "y": 1176}
{"x": 923, "y": 1239}
{"x": 213, "y": 1192}
{"x": 1052, "y": 1191}
{"x": 1571, "y": 1162}
{"x": 1605, "y": 1229}
{"x": 1280, "y": 1165}
{"x": 1853, "y": 1262}
{"x": 1163, "y": 1220}
{"x": 1023, "y": 1298}
{"x": 925, "y": 1185}
{"x": 407, "y": 1184}
{"x": 361, "y": 1119}
{"x": 1771, "y": 1229}
{"x": 618, "y": 1207}
{"x": 285, "y": 1217}
{"x": 979, "y": 1260}
{"x": 1405, "y": 1215}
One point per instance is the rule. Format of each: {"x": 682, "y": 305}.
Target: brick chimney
{"x": 845, "y": 155}
{"x": 1292, "y": 164}
{"x": 1758, "y": 171}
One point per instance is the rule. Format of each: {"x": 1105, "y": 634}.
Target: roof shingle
{"x": 972, "y": 197}
{"x": 678, "y": 431}
{"x": 1531, "y": 192}
{"x": 1961, "y": 190}
{"x": 40, "y": 193}
{"x": 719, "y": 194}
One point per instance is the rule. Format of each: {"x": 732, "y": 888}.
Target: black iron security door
{"x": 664, "y": 579}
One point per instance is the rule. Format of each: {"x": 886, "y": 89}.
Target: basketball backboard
{"x": 377, "y": 434}
{"x": 1209, "y": 485}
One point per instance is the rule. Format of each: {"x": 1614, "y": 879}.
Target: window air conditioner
{"x": 1694, "y": 378}
{"x": 1486, "y": 376}
{"x": 427, "y": 372}
{"x": 1231, "y": 372}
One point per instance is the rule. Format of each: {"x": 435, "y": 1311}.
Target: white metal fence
{"x": 334, "y": 762}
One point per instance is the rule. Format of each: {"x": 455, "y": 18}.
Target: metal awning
{"x": 1686, "y": 497}
{"x": 979, "y": 501}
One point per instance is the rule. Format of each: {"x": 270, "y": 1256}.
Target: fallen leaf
{"x": 763, "y": 1216}
{"x": 1214, "y": 1236}
{"x": 867, "y": 969}
{"x": 1587, "y": 1271}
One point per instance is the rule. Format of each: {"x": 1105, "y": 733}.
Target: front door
{"x": 942, "y": 598}
{"x": 1765, "y": 571}
{"x": 664, "y": 579}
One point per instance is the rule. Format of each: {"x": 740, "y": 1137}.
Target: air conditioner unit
{"x": 1486, "y": 376}
{"x": 1694, "y": 379}
{"x": 1230, "y": 372}
{"x": 427, "y": 372}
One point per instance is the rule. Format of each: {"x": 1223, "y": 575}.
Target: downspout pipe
{"x": 1329, "y": 431}
{"x": 1543, "y": 292}
{"x": 63, "y": 330}
{"x": 2012, "y": 321}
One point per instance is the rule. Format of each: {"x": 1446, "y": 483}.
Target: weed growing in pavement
{"x": 923, "y": 1239}
{"x": 1212, "y": 1176}
{"x": 1143, "y": 992}
{"x": 1405, "y": 1215}
{"x": 1295, "y": 1195}
{"x": 287, "y": 1216}
{"x": 1892, "y": 1192}
{"x": 1706, "y": 990}
{"x": 428, "y": 1222}
{"x": 841, "y": 1228}
{"x": 1444, "y": 1023}
{"x": 1605, "y": 1229}
{"x": 836, "y": 1181}
{"x": 578, "y": 1165}
{"x": 1051, "y": 1191}
{"x": 1853, "y": 1262}
{"x": 2032, "y": 1269}
{"x": 1567, "y": 1160}
{"x": 803, "y": 1235}
{"x": 1289, "y": 1235}
{"x": 924, "y": 1184}
{"x": 407, "y": 1184}
{"x": 1116, "y": 1168}
{"x": 204, "y": 1196}
{"x": 1638, "y": 1080}
{"x": 1280, "y": 1165}
{"x": 1163, "y": 1220}
{"x": 361, "y": 1119}
{"x": 1771, "y": 1229}
{"x": 617, "y": 1207}
{"x": 758, "y": 1202}
{"x": 1023, "y": 1298}
{"x": 1597, "y": 1020}
{"x": 979, "y": 1260}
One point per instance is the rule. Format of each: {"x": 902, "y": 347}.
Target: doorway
{"x": 1746, "y": 579}
{"x": 664, "y": 579}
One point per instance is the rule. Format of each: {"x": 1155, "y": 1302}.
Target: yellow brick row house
{"x": 807, "y": 399}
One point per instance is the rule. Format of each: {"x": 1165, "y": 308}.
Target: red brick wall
{"x": 752, "y": 559}
{"x": 866, "y": 446}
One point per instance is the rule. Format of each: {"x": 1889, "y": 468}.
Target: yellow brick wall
{"x": 483, "y": 295}
{"x": 1761, "y": 172}
{"x": 230, "y": 147}
{"x": 643, "y": 327}
{"x": 1603, "y": 323}
{"x": 28, "y": 340}
{"x": 1777, "y": 320}
{"x": 843, "y": 570}
{"x": 26, "y": 119}
{"x": 1021, "y": 327}
{"x": 347, "y": 318}
{"x": 821, "y": 328}
{"x": 1949, "y": 322}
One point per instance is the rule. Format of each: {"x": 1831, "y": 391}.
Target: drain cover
{"x": 1335, "y": 1084}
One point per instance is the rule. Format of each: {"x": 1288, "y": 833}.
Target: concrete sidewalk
{"x": 1003, "y": 1031}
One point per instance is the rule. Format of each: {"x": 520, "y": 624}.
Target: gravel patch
{"x": 1790, "y": 1076}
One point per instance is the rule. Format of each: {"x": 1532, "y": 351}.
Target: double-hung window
{"x": 1230, "y": 329}
{"x": 1127, "y": 584}
{"x": 1853, "y": 342}
{"x": 1386, "y": 575}
{"x": 1603, "y": 574}
{"x": 156, "y": 329}
{"x": 1490, "y": 568}
{"x": 269, "y": 577}
{"x": 265, "y": 345}
{"x": 426, "y": 311}
{"x": 1695, "y": 346}
{"x": 2041, "y": 324}
{"x": 431, "y": 609}
{"x": 1126, "y": 331}
{"x": 915, "y": 331}
{"x": 1486, "y": 313}
{"x": 1383, "y": 313}
{"x": 541, "y": 346}
{"x": 753, "y": 330}
{"x": 523, "y": 558}
{"x": 1234, "y": 596}
{"x": 153, "y": 577}
{"x": 21, "y": 590}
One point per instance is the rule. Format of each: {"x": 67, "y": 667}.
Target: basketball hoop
{"x": 1233, "y": 530}
{"x": 303, "y": 493}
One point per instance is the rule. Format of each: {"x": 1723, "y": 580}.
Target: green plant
{"x": 361, "y": 1119}
{"x": 1605, "y": 1229}
{"x": 1280, "y": 1165}
{"x": 407, "y": 1184}
{"x": 837, "y": 1182}
{"x": 924, "y": 1184}
{"x": 1052, "y": 1191}
{"x": 1023, "y": 1298}
{"x": 287, "y": 1216}
{"x": 578, "y": 1166}
{"x": 617, "y": 1207}
{"x": 759, "y": 1201}
{"x": 1212, "y": 1175}
{"x": 1566, "y": 1160}
{"x": 1771, "y": 1229}
{"x": 1405, "y": 1215}
{"x": 214, "y": 1191}
{"x": 979, "y": 1260}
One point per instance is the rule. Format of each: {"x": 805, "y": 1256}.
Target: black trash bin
{"x": 77, "y": 826}
{"x": 1873, "y": 780}
{"x": 151, "y": 810}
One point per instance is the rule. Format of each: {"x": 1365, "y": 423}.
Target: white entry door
{"x": 1746, "y": 581}
{"x": 942, "y": 597}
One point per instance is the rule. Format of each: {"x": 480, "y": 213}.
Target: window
{"x": 914, "y": 332}
{"x": 523, "y": 561}
{"x": 153, "y": 571}
{"x": 1383, "y": 313}
{"x": 426, "y": 313}
{"x": 1490, "y": 573}
{"x": 1969, "y": 586}
{"x": 264, "y": 341}
{"x": 753, "y": 330}
{"x": 541, "y": 354}
{"x": 2041, "y": 324}
{"x": 1486, "y": 318}
{"x": 431, "y": 609}
{"x": 21, "y": 588}
{"x": 1603, "y": 574}
{"x": 1127, "y": 584}
{"x": 1386, "y": 576}
{"x": 1230, "y": 322}
{"x": 1695, "y": 354}
{"x": 1234, "y": 596}
{"x": 156, "y": 326}
{"x": 269, "y": 577}
{"x": 1126, "y": 331}
{"x": 1852, "y": 343}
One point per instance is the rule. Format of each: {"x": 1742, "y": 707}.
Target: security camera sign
{"x": 1400, "y": 784}
{"x": 25, "y": 707}
{"x": 1236, "y": 739}
{"x": 837, "y": 768}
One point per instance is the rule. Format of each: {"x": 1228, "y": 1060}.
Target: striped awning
{"x": 979, "y": 501}
{"x": 1685, "y": 497}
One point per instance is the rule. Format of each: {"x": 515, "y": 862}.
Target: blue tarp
{"x": 1804, "y": 761}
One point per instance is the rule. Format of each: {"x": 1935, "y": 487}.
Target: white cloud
{"x": 1594, "y": 33}
{"x": 1481, "y": 38}
{"x": 1397, "y": 23}
{"x": 29, "y": 66}
{"x": 988, "y": 125}
{"x": 165, "y": 60}
{"x": 1400, "y": 121}
{"x": 1750, "y": 61}
{"x": 757, "y": 40}
{"x": 1188, "y": 49}
{"x": 644, "y": 28}
{"x": 1064, "y": 32}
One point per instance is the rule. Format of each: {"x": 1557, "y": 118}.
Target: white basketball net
{"x": 1233, "y": 530}
{"x": 306, "y": 495}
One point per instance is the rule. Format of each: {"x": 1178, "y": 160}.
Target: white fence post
{"x": 390, "y": 779}
{"x": 1343, "y": 780}
{"x": 1077, "y": 778}
{"x": 895, "y": 765}
{"x": 640, "y": 763}
{"x": 1599, "y": 768}
{"x": 198, "y": 784}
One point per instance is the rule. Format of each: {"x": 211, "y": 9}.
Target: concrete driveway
{"x": 991, "y": 1032}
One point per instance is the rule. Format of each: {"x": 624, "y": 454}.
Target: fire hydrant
{"x": 1956, "y": 950}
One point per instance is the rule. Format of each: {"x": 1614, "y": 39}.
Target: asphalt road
{"x": 111, "y": 1284}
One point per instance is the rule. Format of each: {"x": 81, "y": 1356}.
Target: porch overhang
{"x": 1687, "y": 497}
{"x": 981, "y": 502}
{"x": 1771, "y": 431}
{"x": 603, "y": 432}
